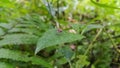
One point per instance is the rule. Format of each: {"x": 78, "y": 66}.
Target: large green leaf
{"x": 53, "y": 37}
{"x": 24, "y": 57}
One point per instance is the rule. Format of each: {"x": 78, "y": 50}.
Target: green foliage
{"x": 25, "y": 57}
{"x": 59, "y": 34}
{"x": 82, "y": 61}
{"x": 103, "y": 58}
{"x": 54, "y": 37}
{"x": 17, "y": 39}
{"x": 6, "y": 65}
{"x": 21, "y": 32}
{"x": 67, "y": 53}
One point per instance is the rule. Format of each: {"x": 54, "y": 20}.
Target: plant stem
{"x": 70, "y": 64}
{"x": 53, "y": 18}
{"x": 91, "y": 44}
{"x": 112, "y": 41}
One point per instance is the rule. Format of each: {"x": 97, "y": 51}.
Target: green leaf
{"x": 27, "y": 25}
{"x": 104, "y": 5}
{"x": 91, "y": 27}
{"x": 6, "y": 25}
{"x": 53, "y": 37}
{"x": 6, "y": 65}
{"x": 67, "y": 52}
{"x": 24, "y": 30}
{"x": 18, "y": 39}
{"x": 24, "y": 57}
{"x": 61, "y": 61}
{"x": 1, "y": 31}
{"x": 82, "y": 61}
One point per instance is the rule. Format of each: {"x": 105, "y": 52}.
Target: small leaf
{"x": 53, "y": 37}
{"x": 91, "y": 27}
{"x": 67, "y": 52}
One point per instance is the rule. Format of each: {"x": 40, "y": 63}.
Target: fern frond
{"x": 25, "y": 25}
{"x": 18, "y": 39}
{"x": 23, "y": 57}
{"x": 6, "y": 65}
{"x": 2, "y": 31}
{"x": 6, "y": 25}
{"x": 21, "y": 31}
{"x": 25, "y": 30}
